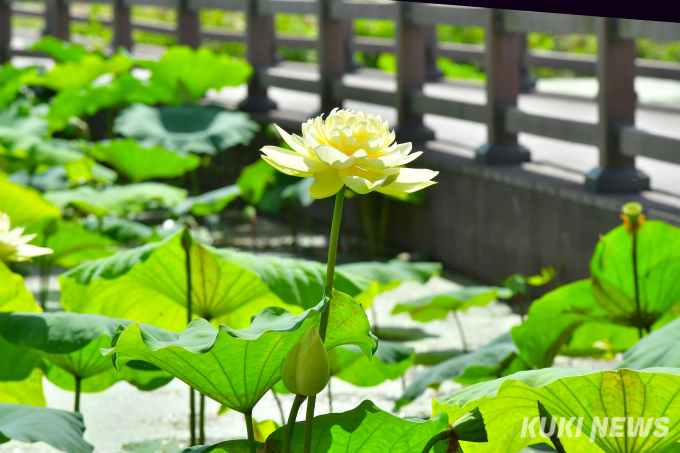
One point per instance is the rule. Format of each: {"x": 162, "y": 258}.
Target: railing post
{"x": 122, "y": 28}
{"x": 527, "y": 81}
{"x": 188, "y": 25}
{"x": 57, "y": 19}
{"x": 616, "y": 102}
{"x": 5, "y": 30}
{"x": 333, "y": 53}
{"x": 502, "y": 88}
{"x": 412, "y": 68}
{"x": 433, "y": 72}
{"x": 259, "y": 41}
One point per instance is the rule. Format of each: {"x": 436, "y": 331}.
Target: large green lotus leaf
{"x": 438, "y": 306}
{"x": 71, "y": 243}
{"x": 24, "y": 118}
{"x": 350, "y": 364}
{"x": 567, "y": 393}
{"x": 254, "y": 180}
{"x": 71, "y": 344}
{"x": 26, "y": 391}
{"x": 658, "y": 266}
{"x": 11, "y": 81}
{"x": 208, "y": 129}
{"x": 17, "y": 362}
{"x": 237, "y": 367}
{"x": 496, "y": 359}
{"x": 77, "y": 74}
{"x": 24, "y": 205}
{"x": 139, "y": 163}
{"x": 97, "y": 372}
{"x": 53, "y": 178}
{"x": 60, "y": 51}
{"x": 196, "y": 71}
{"x": 570, "y": 313}
{"x": 63, "y": 430}
{"x": 120, "y": 230}
{"x": 367, "y": 428}
{"x": 32, "y": 153}
{"x": 212, "y": 202}
{"x": 118, "y": 200}
{"x": 116, "y": 93}
{"x": 299, "y": 282}
{"x": 148, "y": 283}
{"x": 660, "y": 348}
{"x": 13, "y": 293}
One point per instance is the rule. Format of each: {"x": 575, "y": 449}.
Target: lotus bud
{"x": 305, "y": 370}
{"x": 632, "y": 216}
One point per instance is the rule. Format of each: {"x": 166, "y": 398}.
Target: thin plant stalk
{"x": 519, "y": 303}
{"x": 292, "y": 223}
{"x": 330, "y": 273}
{"x": 460, "y": 330}
{"x": 297, "y": 401}
{"x": 251, "y": 431}
{"x": 637, "y": 289}
{"x": 201, "y": 419}
{"x": 45, "y": 271}
{"x": 437, "y": 438}
{"x": 330, "y": 395}
{"x": 382, "y": 229}
{"x": 76, "y": 407}
{"x": 280, "y": 406}
{"x": 186, "y": 244}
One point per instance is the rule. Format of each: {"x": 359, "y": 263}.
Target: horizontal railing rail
{"x": 504, "y": 57}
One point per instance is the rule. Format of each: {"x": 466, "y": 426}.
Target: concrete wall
{"x": 490, "y": 222}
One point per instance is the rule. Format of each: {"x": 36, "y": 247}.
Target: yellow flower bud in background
{"x": 350, "y": 149}
{"x": 305, "y": 370}
{"x": 632, "y": 216}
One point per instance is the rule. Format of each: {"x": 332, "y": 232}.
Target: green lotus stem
{"x": 554, "y": 437}
{"x": 290, "y": 427}
{"x": 637, "y": 289}
{"x": 330, "y": 396}
{"x": 460, "y": 330}
{"x": 519, "y": 303}
{"x": 309, "y": 424}
{"x": 437, "y": 438}
{"x": 186, "y": 245}
{"x": 77, "y": 403}
{"x": 330, "y": 273}
{"x": 45, "y": 272}
{"x": 280, "y": 406}
{"x": 382, "y": 230}
{"x": 192, "y": 417}
{"x": 251, "y": 432}
{"x": 292, "y": 223}
{"x": 201, "y": 420}
{"x": 45, "y": 269}
{"x": 332, "y": 252}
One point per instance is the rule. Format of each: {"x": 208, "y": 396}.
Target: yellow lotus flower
{"x": 14, "y": 247}
{"x": 349, "y": 149}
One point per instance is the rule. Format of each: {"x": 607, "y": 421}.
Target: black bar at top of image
{"x": 663, "y": 11}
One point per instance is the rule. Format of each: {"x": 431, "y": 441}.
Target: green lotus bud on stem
{"x": 632, "y": 210}
{"x": 305, "y": 370}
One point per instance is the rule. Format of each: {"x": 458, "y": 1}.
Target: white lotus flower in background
{"x": 352, "y": 149}
{"x": 14, "y": 246}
